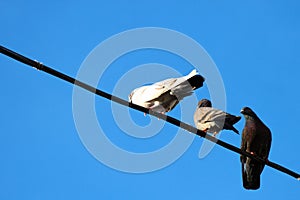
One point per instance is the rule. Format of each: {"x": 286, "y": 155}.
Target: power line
{"x": 176, "y": 122}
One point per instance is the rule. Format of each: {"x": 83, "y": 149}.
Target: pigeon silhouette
{"x": 163, "y": 96}
{"x": 212, "y": 120}
{"x": 256, "y": 139}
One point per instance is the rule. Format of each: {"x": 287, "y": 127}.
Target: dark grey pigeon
{"x": 212, "y": 120}
{"x": 256, "y": 139}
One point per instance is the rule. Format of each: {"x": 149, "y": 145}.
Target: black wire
{"x": 169, "y": 119}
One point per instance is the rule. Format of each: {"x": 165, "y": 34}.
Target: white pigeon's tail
{"x": 195, "y": 79}
{"x": 191, "y": 74}
{"x": 186, "y": 85}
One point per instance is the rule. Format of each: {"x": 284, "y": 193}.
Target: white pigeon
{"x": 163, "y": 96}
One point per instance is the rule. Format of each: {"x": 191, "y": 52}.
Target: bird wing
{"x": 174, "y": 85}
{"x": 146, "y": 93}
{"x": 164, "y": 86}
{"x": 207, "y": 117}
{"x": 209, "y": 114}
{"x": 243, "y": 144}
{"x": 179, "y": 87}
{"x": 266, "y": 139}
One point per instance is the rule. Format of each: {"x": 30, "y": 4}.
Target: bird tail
{"x": 235, "y": 130}
{"x": 230, "y": 120}
{"x": 191, "y": 82}
{"x": 251, "y": 174}
{"x": 195, "y": 80}
{"x": 236, "y": 119}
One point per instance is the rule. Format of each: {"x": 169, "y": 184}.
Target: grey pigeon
{"x": 212, "y": 120}
{"x": 256, "y": 139}
{"x": 163, "y": 96}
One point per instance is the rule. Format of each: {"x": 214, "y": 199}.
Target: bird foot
{"x": 205, "y": 130}
{"x": 161, "y": 113}
{"x": 253, "y": 153}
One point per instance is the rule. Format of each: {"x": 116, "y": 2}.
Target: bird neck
{"x": 249, "y": 117}
{"x": 252, "y": 119}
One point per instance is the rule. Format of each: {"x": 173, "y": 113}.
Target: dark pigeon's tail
{"x": 196, "y": 81}
{"x": 251, "y": 175}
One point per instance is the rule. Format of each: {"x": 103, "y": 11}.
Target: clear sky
{"x": 255, "y": 46}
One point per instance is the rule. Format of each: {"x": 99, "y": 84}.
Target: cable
{"x": 176, "y": 122}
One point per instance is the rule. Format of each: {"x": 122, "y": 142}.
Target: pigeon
{"x": 212, "y": 120}
{"x": 256, "y": 139}
{"x": 163, "y": 96}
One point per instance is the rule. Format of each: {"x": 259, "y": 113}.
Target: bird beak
{"x": 243, "y": 111}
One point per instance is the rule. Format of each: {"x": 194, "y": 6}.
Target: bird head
{"x": 246, "y": 111}
{"x": 204, "y": 103}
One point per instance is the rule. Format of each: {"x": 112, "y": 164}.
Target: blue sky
{"x": 255, "y": 46}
